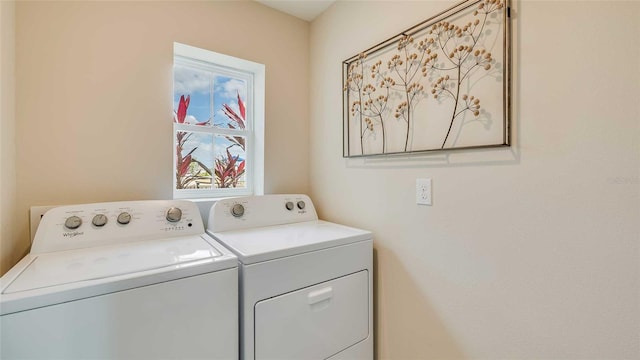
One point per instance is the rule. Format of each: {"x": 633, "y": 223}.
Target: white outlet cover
{"x": 423, "y": 191}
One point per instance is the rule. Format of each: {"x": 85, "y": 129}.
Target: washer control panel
{"x": 256, "y": 211}
{"x": 87, "y": 225}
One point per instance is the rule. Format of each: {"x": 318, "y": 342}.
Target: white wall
{"x": 94, "y": 95}
{"x": 527, "y": 252}
{"x": 9, "y": 252}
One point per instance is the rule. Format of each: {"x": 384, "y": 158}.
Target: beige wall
{"x": 10, "y": 251}
{"x": 94, "y": 95}
{"x": 527, "y": 252}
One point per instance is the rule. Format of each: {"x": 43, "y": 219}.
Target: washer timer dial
{"x": 73, "y": 222}
{"x": 174, "y": 214}
{"x": 237, "y": 210}
{"x": 124, "y": 218}
{"x": 99, "y": 220}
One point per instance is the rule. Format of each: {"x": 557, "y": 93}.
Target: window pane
{"x": 193, "y": 161}
{"x": 194, "y": 87}
{"x": 230, "y": 162}
{"x": 229, "y": 102}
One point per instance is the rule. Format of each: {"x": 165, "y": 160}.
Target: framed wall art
{"x": 442, "y": 84}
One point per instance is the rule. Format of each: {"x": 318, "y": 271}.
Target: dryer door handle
{"x": 317, "y": 296}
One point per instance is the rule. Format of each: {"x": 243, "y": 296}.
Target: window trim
{"x": 255, "y": 142}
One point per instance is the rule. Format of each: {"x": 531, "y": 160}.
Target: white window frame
{"x": 254, "y": 133}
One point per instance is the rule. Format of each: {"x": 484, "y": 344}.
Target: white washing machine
{"x": 121, "y": 280}
{"x": 305, "y": 284}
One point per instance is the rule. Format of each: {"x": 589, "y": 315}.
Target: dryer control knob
{"x": 124, "y": 218}
{"x": 289, "y": 205}
{"x": 301, "y": 205}
{"x": 99, "y": 220}
{"x": 174, "y": 214}
{"x": 73, "y": 222}
{"x": 237, "y": 210}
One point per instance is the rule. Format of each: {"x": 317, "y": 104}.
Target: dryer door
{"x": 315, "y": 322}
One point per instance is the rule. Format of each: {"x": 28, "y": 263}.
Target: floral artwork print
{"x": 442, "y": 84}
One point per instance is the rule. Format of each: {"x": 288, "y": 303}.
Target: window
{"x": 218, "y": 124}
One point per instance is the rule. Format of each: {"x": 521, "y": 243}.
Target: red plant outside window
{"x": 228, "y": 170}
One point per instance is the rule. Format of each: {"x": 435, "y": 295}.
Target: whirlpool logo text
{"x": 73, "y": 234}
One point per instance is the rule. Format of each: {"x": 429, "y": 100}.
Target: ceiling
{"x": 303, "y": 9}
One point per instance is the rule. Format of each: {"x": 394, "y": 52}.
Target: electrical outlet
{"x": 35, "y": 214}
{"x": 423, "y": 191}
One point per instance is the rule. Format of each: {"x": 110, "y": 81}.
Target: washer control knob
{"x": 289, "y": 205}
{"x": 174, "y": 214}
{"x": 301, "y": 205}
{"x": 99, "y": 220}
{"x": 237, "y": 210}
{"x": 124, "y": 218}
{"x": 73, "y": 222}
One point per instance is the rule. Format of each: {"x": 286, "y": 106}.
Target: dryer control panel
{"x": 88, "y": 225}
{"x": 257, "y": 211}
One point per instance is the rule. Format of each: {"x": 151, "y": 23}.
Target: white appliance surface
{"x": 272, "y": 242}
{"x": 320, "y": 320}
{"x": 305, "y": 284}
{"x": 137, "y": 279}
{"x": 64, "y": 267}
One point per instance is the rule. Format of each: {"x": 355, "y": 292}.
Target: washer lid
{"x": 72, "y": 266}
{"x": 272, "y": 242}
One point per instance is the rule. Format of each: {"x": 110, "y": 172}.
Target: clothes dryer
{"x": 305, "y": 284}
